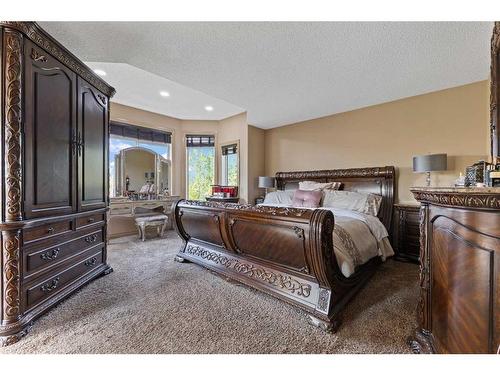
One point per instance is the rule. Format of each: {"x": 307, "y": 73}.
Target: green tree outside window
{"x": 201, "y": 161}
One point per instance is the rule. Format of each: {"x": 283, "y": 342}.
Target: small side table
{"x": 223, "y": 199}
{"x": 406, "y": 232}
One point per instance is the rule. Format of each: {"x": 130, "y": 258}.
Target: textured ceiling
{"x": 138, "y": 88}
{"x": 283, "y": 73}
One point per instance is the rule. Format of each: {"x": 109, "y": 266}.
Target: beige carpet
{"x": 151, "y": 304}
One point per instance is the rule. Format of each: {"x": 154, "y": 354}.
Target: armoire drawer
{"x": 52, "y": 284}
{"x": 41, "y": 258}
{"x": 45, "y": 231}
{"x": 90, "y": 220}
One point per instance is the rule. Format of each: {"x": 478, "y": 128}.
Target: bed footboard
{"x": 286, "y": 252}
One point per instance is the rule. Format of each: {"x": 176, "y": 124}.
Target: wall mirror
{"x": 141, "y": 173}
{"x": 495, "y": 94}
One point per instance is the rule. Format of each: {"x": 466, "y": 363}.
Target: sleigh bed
{"x": 284, "y": 251}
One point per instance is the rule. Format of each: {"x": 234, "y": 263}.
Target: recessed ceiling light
{"x": 100, "y": 72}
{"x": 209, "y": 108}
{"x": 164, "y": 93}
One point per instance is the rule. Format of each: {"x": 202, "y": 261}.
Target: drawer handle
{"x": 91, "y": 239}
{"x": 90, "y": 220}
{"x": 50, "y": 286}
{"x": 91, "y": 262}
{"x": 50, "y": 255}
{"x": 50, "y": 230}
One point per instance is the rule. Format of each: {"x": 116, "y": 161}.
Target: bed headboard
{"x": 376, "y": 180}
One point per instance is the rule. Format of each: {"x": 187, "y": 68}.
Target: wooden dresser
{"x": 54, "y": 175}
{"x": 459, "y": 306}
{"x": 406, "y": 233}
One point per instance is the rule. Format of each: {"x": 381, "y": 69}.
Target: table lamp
{"x": 428, "y": 164}
{"x": 266, "y": 182}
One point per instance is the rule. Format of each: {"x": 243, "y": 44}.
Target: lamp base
{"x": 428, "y": 179}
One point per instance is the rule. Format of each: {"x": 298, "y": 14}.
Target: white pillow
{"x": 279, "y": 197}
{"x": 313, "y": 185}
{"x": 350, "y": 200}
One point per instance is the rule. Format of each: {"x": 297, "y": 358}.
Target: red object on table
{"x": 231, "y": 190}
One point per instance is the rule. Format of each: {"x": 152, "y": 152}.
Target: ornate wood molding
{"x": 421, "y": 343}
{"x": 11, "y": 269}
{"x": 324, "y": 300}
{"x": 36, "y": 56}
{"x": 494, "y": 131}
{"x": 466, "y": 198}
{"x": 337, "y": 173}
{"x": 424, "y": 269}
{"x": 275, "y": 211}
{"x": 13, "y": 41}
{"x": 12, "y": 339}
{"x": 45, "y": 41}
{"x": 274, "y": 278}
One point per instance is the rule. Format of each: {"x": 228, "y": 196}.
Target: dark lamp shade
{"x": 266, "y": 182}
{"x": 429, "y": 163}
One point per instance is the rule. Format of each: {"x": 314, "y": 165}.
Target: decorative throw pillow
{"x": 350, "y": 200}
{"x": 282, "y": 197}
{"x": 372, "y": 205}
{"x": 313, "y": 185}
{"x": 307, "y": 198}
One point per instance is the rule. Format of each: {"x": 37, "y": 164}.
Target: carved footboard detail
{"x": 285, "y": 252}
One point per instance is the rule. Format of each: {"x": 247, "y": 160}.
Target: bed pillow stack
{"x": 279, "y": 197}
{"x": 350, "y": 200}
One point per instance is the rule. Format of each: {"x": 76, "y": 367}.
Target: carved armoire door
{"x": 92, "y": 139}
{"x": 49, "y": 125}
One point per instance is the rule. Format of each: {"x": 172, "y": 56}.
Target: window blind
{"x": 200, "y": 140}
{"x": 229, "y": 149}
{"x": 140, "y": 133}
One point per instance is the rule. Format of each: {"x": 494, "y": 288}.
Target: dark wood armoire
{"x": 54, "y": 154}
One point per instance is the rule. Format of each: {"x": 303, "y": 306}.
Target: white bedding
{"x": 357, "y": 238}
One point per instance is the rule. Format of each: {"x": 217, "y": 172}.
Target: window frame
{"x": 223, "y": 162}
{"x": 215, "y": 164}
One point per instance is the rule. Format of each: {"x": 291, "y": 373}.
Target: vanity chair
{"x": 150, "y": 217}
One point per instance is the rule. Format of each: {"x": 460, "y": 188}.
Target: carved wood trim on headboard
{"x": 377, "y": 180}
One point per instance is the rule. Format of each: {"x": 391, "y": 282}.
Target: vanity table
{"x": 121, "y": 213}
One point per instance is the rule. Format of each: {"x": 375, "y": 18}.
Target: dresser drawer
{"x": 150, "y": 204}
{"x": 40, "y": 258}
{"x": 49, "y": 286}
{"x": 82, "y": 222}
{"x": 124, "y": 209}
{"x": 46, "y": 231}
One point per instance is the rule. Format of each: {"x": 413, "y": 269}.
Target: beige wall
{"x": 235, "y": 129}
{"x": 256, "y": 158}
{"x": 452, "y": 121}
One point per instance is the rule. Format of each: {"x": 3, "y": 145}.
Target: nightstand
{"x": 406, "y": 232}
